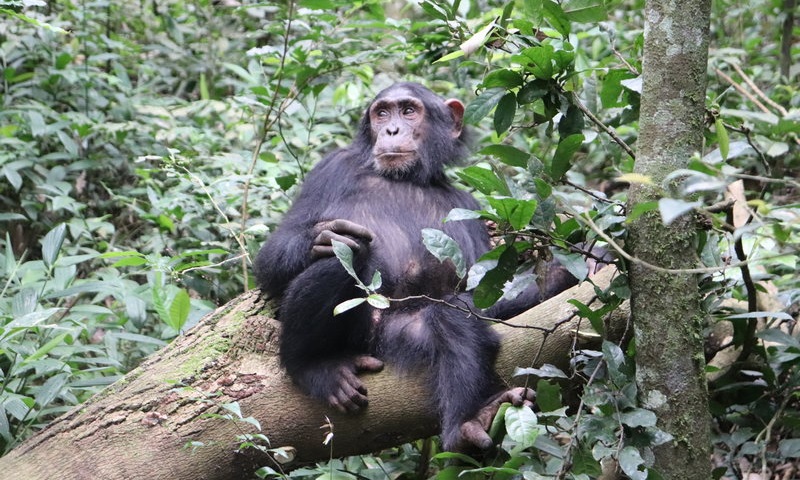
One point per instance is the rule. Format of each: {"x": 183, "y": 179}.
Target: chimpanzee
{"x": 376, "y": 195}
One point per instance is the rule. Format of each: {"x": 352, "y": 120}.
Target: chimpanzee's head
{"x": 413, "y": 133}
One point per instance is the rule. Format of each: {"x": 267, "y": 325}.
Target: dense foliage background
{"x": 148, "y": 148}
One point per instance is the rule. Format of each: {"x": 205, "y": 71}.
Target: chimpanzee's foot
{"x": 336, "y": 381}
{"x": 473, "y": 432}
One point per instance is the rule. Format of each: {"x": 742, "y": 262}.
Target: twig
{"x": 268, "y": 122}
{"x": 742, "y": 90}
{"x": 758, "y": 91}
{"x": 621, "y": 251}
{"x": 608, "y": 130}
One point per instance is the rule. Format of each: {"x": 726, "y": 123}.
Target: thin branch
{"x": 268, "y": 122}
{"x": 621, "y": 251}
{"x": 742, "y": 90}
{"x": 608, "y": 130}
{"x": 758, "y": 91}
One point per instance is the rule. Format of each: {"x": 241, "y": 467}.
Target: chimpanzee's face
{"x": 398, "y": 121}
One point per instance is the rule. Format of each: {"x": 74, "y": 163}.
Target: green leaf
{"x": 376, "y": 282}
{"x": 484, "y": 180}
{"x": 777, "y": 336}
{"x": 671, "y": 208}
{"x": 503, "y": 78}
{"x": 573, "y": 262}
{"x": 522, "y": 425}
{"x": 63, "y": 60}
{"x": 179, "y": 310}
{"x": 458, "y": 214}
{"x": 585, "y": 11}
{"x": 51, "y": 244}
{"x": 508, "y": 155}
{"x": 517, "y": 213}
{"x": 532, "y": 91}
{"x": 789, "y": 448}
{"x": 532, "y": 10}
{"x": 204, "y": 94}
{"x": 640, "y": 209}
{"x": 571, "y": 122}
{"x": 317, "y": 4}
{"x": 345, "y": 256}
{"x": 348, "y": 305}
{"x": 434, "y": 10}
{"x": 51, "y": 389}
{"x": 46, "y": 348}
{"x": 12, "y": 217}
{"x": 286, "y": 181}
{"x": 563, "y": 157}
{"x": 36, "y": 123}
{"x": 537, "y": 60}
{"x": 159, "y": 300}
{"x": 545, "y": 371}
{"x": 490, "y": 288}
{"x": 630, "y": 461}
{"x": 504, "y": 114}
{"x": 443, "y": 247}
{"x": 722, "y": 138}
{"x": 555, "y": 16}
{"x": 638, "y": 417}
{"x": 130, "y": 262}
{"x": 378, "y": 301}
{"x": 450, "y": 56}
{"x": 611, "y": 88}
{"x": 548, "y": 395}
{"x": 584, "y": 464}
{"x": 481, "y": 106}
{"x": 476, "y": 41}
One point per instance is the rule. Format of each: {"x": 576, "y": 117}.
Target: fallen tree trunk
{"x": 139, "y": 428}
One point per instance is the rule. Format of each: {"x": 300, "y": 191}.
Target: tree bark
{"x": 665, "y": 307}
{"x": 139, "y": 427}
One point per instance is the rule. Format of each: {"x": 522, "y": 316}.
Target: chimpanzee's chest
{"x": 397, "y": 213}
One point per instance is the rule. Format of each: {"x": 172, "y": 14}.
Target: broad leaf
{"x": 481, "y": 106}
{"x": 51, "y": 244}
{"x": 508, "y": 155}
{"x": 522, "y": 425}
{"x": 504, "y": 114}
{"x": 443, "y": 247}
{"x": 562, "y": 160}
{"x": 672, "y": 208}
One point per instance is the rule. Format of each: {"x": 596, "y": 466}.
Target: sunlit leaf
{"x": 481, "y": 106}
{"x": 722, "y": 138}
{"x": 522, "y": 425}
{"x": 584, "y": 11}
{"x": 378, "y": 301}
{"x": 179, "y": 309}
{"x": 443, "y": 247}
{"x": 476, "y": 41}
{"x": 630, "y": 461}
{"x": 51, "y": 244}
{"x": 672, "y": 208}
{"x": 348, "y": 305}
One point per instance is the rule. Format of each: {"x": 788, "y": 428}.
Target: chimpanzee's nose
{"x": 392, "y": 130}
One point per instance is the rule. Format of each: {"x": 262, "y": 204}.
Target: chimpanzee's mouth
{"x": 394, "y": 155}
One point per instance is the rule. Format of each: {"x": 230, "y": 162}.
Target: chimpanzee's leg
{"x": 323, "y": 353}
{"x": 457, "y": 350}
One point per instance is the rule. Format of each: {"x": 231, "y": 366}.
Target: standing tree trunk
{"x": 665, "y": 306}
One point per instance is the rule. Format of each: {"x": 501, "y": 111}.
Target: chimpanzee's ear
{"x": 457, "y": 110}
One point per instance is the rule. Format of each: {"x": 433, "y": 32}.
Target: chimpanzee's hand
{"x": 473, "y": 431}
{"x": 336, "y": 381}
{"x": 351, "y": 234}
